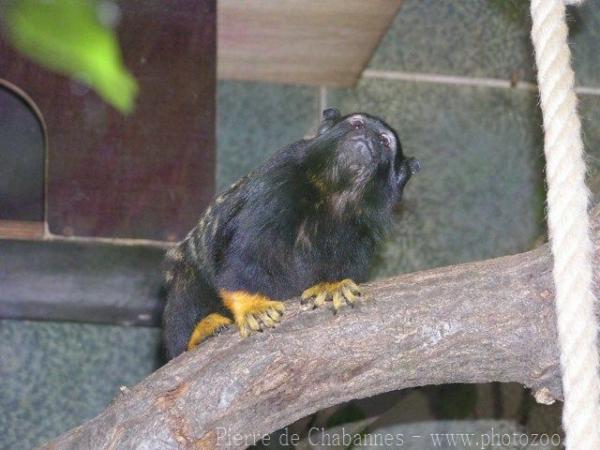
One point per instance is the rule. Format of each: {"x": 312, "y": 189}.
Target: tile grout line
{"x": 463, "y": 81}
{"x": 322, "y": 100}
{"x": 584, "y": 90}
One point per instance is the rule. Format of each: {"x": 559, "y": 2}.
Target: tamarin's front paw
{"x": 339, "y": 293}
{"x": 252, "y": 312}
{"x": 209, "y": 326}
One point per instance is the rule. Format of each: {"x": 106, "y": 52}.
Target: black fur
{"x": 314, "y": 212}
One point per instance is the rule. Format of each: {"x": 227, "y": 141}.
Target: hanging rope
{"x": 568, "y": 226}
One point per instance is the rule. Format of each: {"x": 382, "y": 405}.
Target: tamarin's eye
{"x": 385, "y": 140}
{"x": 357, "y": 123}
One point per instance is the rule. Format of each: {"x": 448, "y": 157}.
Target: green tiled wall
{"x": 55, "y": 375}
{"x": 481, "y": 38}
{"x": 255, "y": 119}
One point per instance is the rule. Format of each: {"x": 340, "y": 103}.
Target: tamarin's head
{"x": 358, "y": 159}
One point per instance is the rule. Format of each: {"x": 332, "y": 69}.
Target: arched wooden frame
{"x": 19, "y": 229}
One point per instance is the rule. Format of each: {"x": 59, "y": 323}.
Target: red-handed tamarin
{"x": 305, "y": 223}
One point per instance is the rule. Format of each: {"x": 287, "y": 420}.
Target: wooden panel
{"x": 21, "y": 229}
{"x": 308, "y": 42}
{"x": 83, "y": 282}
{"x": 148, "y": 175}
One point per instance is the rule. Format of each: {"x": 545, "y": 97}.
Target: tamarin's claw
{"x": 252, "y": 312}
{"x": 209, "y": 326}
{"x": 339, "y": 293}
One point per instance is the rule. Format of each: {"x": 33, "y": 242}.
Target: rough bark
{"x": 471, "y": 323}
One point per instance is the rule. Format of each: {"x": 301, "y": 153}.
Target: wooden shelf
{"x": 315, "y": 42}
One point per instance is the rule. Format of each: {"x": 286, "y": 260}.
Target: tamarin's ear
{"x": 330, "y": 116}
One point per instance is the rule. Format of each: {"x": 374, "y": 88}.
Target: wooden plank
{"x": 148, "y": 175}
{"x": 307, "y": 42}
{"x": 21, "y": 229}
{"x": 83, "y": 282}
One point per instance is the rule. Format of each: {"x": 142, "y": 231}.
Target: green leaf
{"x": 67, "y": 36}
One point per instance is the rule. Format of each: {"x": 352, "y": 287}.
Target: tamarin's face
{"x": 364, "y": 158}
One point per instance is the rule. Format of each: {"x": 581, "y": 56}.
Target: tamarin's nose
{"x": 414, "y": 165}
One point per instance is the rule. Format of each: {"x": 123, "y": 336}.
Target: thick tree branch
{"x": 471, "y": 323}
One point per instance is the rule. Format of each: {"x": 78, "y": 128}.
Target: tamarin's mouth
{"x": 414, "y": 165}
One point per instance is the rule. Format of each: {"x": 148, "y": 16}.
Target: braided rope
{"x": 568, "y": 225}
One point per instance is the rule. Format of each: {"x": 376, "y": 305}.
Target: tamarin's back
{"x": 308, "y": 222}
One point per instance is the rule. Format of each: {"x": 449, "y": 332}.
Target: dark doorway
{"x": 22, "y": 143}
